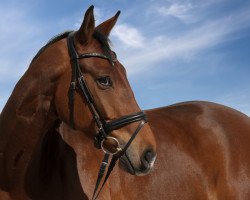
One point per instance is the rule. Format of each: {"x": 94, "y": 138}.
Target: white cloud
{"x": 186, "y": 46}
{"x": 99, "y": 15}
{"x": 128, "y": 35}
{"x": 17, "y": 42}
{"x": 186, "y": 11}
{"x": 180, "y": 11}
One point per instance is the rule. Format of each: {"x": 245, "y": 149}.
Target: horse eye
{"x": 105, "y": 81}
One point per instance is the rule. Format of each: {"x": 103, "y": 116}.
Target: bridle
{"x": 104, "y": 127}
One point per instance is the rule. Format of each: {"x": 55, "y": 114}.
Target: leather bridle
{"x": 104, "y": 127}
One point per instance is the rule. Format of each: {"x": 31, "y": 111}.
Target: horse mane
{"x": 104, "y": 41}
{"x": 50, "y": 42}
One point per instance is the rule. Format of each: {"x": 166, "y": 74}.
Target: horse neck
{"x": 30, "y": 109}
{"x": 88, "y": 158}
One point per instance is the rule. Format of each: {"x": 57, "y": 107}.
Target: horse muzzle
{"x": 143, "y": 168}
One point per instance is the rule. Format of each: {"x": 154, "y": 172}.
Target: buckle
{"x": 110, "y": 145}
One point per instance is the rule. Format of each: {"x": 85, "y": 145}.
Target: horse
{"x": 202, "y": 153}
{"x": 202, "y": 148}
{"x": 75, "y": 79}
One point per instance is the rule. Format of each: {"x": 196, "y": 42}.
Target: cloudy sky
{"x": 174, "y": 50}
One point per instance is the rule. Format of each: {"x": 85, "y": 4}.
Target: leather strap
{"x": 77, "y": 77}
{"x": 113, "y": 162}
{"x": 104, "y": 128}
{"x": 89, "y": 55}
{"x": 101, "y": 172}
{"x": 125, "y": 120}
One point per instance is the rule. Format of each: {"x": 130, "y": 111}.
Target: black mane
{"x": 104, "y": 41}
{"x": 50, "y": 42}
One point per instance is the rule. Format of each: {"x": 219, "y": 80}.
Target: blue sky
{"x": 173, "y": 50}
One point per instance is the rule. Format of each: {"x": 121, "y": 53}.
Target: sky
{"x": 173, "y": 50}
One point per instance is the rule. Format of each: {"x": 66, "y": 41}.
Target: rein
{"x": 104, "y": 127}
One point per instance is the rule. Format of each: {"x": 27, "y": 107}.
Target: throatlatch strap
{"x": 71, "y": 95}
{"x": 110, "y": 169}
{"x": 71, "y": 104}
{"x": 72, "y": 86}
{"x": 100, "y": 174}
{"x": 114, "y": 160}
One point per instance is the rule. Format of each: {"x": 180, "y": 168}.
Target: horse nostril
{"x": 149, "y": 156}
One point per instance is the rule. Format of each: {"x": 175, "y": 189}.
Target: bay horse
{"x": 202, "y": 153}
{"x": 76, "y": 79}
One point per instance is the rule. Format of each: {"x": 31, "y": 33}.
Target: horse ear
{"x": 106, "y": 27}
{"x": 85, "y": 33}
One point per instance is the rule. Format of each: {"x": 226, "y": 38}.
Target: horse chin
{"x": 127, "y": 166}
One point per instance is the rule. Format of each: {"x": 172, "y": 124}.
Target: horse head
{"x": 94, "y": 89}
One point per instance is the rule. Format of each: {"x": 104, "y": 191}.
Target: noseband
{"x": 104, "y": 127}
